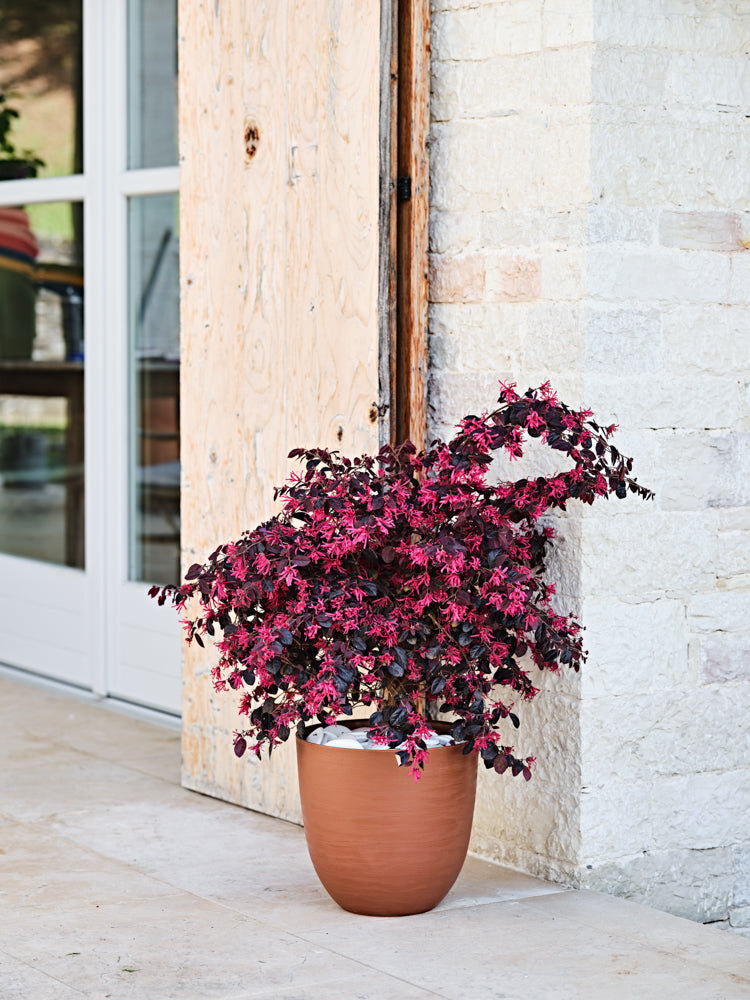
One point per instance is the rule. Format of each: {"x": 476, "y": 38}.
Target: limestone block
{"x": 701, "y": 469}
{"x": 564, "y": 274}
{"x": 627, "y": 75}
{"x": 603, "y": 832}
{"x": 739, "y": 916}
{"x": 629, "y": 741}
{"x": 535, "y": 817}
{"x": 526, "y": 161}
{"x": 735, "y": 519}
{"x": 452, "y": 232}
{"x": 550, "y": 731}
{"x": 717, "y": 611}
{"x": 534, "y": 230}
{"x": 496, "y": 344}
{"x": 739, "y": 288}
{"x": 614, "y": 734}
{"x": 513, "y": 277}
{"x": 443, "y": 352}
{"x": 659, "y": 276}
{"x": 705, "y": 339}
{"x": 700, "y": 811}
{"x": 741, "y": 445}
{"x": 516, "y": 855}
{"x": 465, "y": 161}
{"x": 478, "y": 32}
{"x": 741, "y": 869}
{"x": 725, "y": 657}
{"x": 504, "y": 85}
{"x": 734, "y": 553}
{"x": 693, "y": 730}
{"x": 564, "y": 564}
{"x": 458, "y": 278}
{"x": 648, "y": 554}
{"x": 687, "y": 403}
{"x": 620, "y": 224}
{"x": 692, "y": 884}
{"x": 704, "y": 78}
{"x": 464, "y": 392}
{"x": 554, "y": 336}
{"x": 623, "y": 339}
{"x": 450, "y": 397}
{"x": 488, "y": 333}
{"x": 678, "y": 25}
{"x": 438, "y": 5}
{"x": 700, "y": 230}
{"x": 670, "y": 157}
{"x": 633, "y": 648}
{"x": 568, "y": 22}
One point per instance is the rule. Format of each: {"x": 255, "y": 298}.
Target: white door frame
{"x": 96, "y": 628}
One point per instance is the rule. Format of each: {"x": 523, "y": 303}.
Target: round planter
{"x": 16, "y": 170}
{"x": 382, "y": 843}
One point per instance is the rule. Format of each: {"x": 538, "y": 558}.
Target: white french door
{"x": 89, "y": 425}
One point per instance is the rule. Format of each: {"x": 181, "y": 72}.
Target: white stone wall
{"x": 590, "y": 215}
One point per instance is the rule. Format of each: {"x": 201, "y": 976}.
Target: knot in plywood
{"x": 252, "y": 139}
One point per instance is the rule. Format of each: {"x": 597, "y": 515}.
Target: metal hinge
{"x": 403, "y": 188}
{"x": 378, "y": 410}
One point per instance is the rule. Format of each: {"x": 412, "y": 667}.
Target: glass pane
{"x": 152, "y": 83}
{"x": 155, "y": 389}
{"x": 41, "y": 110}
{"x": 41, "y": 383}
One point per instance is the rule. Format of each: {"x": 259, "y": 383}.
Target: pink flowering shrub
{"x": 407, "y": 583}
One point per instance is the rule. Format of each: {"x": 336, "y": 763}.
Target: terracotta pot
{"x": 382, "y": 843}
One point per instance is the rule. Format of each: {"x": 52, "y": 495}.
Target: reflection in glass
{"x": 154, "y": 381}
{"x": 152, "y": 83}
{"x": 41, "y": 81}
{"x": 41, "y": 384}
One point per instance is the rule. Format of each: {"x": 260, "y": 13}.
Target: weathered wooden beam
{"x": 387, "y": 220}
{"x": 412, "y": 212}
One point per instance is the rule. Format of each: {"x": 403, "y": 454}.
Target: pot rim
{"x": 438, "y": 725}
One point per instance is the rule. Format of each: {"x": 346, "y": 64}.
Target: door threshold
{"x": 159, "y": 717}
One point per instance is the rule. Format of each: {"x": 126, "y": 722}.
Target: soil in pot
{"x": 381, "y": 842}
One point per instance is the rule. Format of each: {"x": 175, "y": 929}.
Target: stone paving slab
{"x": 115, "y": 882}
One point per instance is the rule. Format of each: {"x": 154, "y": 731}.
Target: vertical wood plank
{"x": 348, "y": 205}
{"x": 279, "y": 111}
{"x": 302, "y": 363}
{"x": 388, "y": 219}
{"x": 413, "y": 219}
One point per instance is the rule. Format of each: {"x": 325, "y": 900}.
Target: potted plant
{"x": 410, "y": 586}
{"x": 14, "y": 164}
{"x": 18, "y": 249}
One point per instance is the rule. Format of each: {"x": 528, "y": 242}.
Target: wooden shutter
{"x": 290, "y": 150}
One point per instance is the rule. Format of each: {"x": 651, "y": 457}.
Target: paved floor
{"x": 116, "y": 882}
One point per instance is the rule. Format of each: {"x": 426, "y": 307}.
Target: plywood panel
{"x": 279, "y": 124}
